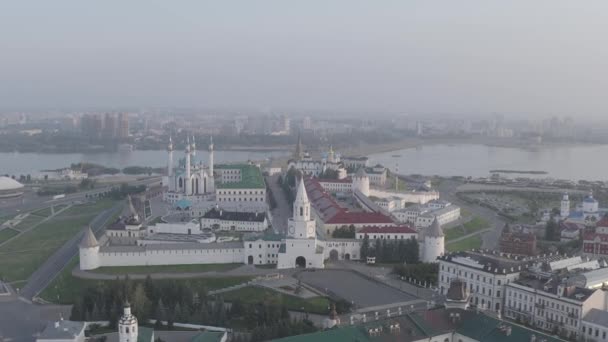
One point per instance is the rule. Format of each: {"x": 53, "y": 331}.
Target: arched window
{"x": 301, "y": 211}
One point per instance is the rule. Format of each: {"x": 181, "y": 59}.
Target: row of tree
{"x": 391, "y": 251}
{"x": 173, "y": 301}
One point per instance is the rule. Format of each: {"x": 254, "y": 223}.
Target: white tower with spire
{"x": 170, "y": 163}
{"x": 434, "y": 242}
{"x": 187, "y": 177}
{"x": 193, "y": 148}
{"x": 301, "y": 248}
{"x": 564, "y": 211}
{"x": 301, "y": 226}
{"x": 127, "y": 326}
{"x": 210, "y": 176}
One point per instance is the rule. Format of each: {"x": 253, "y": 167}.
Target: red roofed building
{"x": 388, "y": 233}
{"x": 595, "y": 243}
{"x": 330, "y": 215}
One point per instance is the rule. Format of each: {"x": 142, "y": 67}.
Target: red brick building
{"x": 595, "y": 242}
{"x": 517, "y": 240}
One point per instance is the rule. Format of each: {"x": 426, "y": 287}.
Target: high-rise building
{"x": 123, "y": 126}
{"x": 110, "y": 126}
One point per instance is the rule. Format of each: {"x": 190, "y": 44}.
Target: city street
{"x": 54, "y": 264}
{"x": 282, "y": 212}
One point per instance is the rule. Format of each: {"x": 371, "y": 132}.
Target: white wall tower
{"x": 361, "y": 182}
{"x": 188, "y": 180}
{"x": 89, "y": 251}
{"x": 127, "y": 326}
{"x": 434, "y": 242}
{"x": 565, "y": 207}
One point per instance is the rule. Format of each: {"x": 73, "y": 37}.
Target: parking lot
{"x": 353, "y": 287}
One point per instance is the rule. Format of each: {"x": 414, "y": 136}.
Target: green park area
{"x": 24, "y": 254}
{"x": 474, "y": 225}
{"x": 7, "y": 233}
{"x": 66, "y": 288}
{"x": 253, "y": 294}
{"x": 28, "y": 222}
{"x": 464, "y": 244}
{"x": 46, "y": 212}
{"x": 119, "y": 270}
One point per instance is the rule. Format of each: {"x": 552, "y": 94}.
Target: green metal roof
{"x": 208, "y": 336}
{"x": 251, "y": 177}
{"x": 346, "y": 334}
{"x": 145, "y": 334}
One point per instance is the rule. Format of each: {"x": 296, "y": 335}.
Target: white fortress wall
{"x": 146, "y": 256}
{"x": 421, "y": 197}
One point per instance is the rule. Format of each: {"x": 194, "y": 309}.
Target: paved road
{"x": 30, "y": 201}
{"x": 54, "y": 264}
{"x": 448, "y": 188}
{"x": 282, "y": 212}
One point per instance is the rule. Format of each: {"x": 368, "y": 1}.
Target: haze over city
{"x": 519, "y": 58}
{"x": 252, "y": 171}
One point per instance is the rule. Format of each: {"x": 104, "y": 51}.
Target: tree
{"x": 552, "y": 230}
{"x": 140, "y": 303}
{"x": 364, "y": 248}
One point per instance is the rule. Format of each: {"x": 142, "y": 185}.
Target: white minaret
{"x": 127, "y": 326}
{"x": 89, "y": 251}
{"x": 187, "y": 180}
{"x": 565, "y": 208}
{"x": 301, "y": 226}
{"x": 170, "y": 164}
{"x": 211, "y": 157}
{"x": 434, "y": 242}
{"x": 193, "y": 149}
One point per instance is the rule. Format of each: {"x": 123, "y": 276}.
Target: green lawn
{"x": 252, "y": 294}
{"x": 476, "y": 224}
{"x": 7, "y": 233}
{"x": 24, "y": 254}
{"x": 66, "y": 288}
{"x": 166, "y": 269}
{"x": 46, "y": 212}
{"x": 465, "y": 244}
{"x": 28, "y": 222}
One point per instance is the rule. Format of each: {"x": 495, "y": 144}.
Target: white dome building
{"x": 590, "y": 205}
{"x": 361, "y": 182}
{"x": 434, "y": 242}
{"x": 10, "y": 187}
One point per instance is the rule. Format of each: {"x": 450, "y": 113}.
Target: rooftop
{"x": 385, "y": 230}
{"x": 62, "y": 330}
{"x": 597, "y": 317}
{"x": 251, "y": 177}
{"x": 332, "y": 213}
{"x": 424, "y": 326}
{"x": 226, "y": 215}
{"x": 495, "y": 262}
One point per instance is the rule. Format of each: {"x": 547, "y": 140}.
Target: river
{"x": 33, "y": 163}
{"x": 561, "y": 162}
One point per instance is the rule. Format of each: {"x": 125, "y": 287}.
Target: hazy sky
{"x": 508, "y": 56}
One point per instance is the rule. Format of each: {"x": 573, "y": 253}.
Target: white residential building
{"x": 551, "y": 305}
